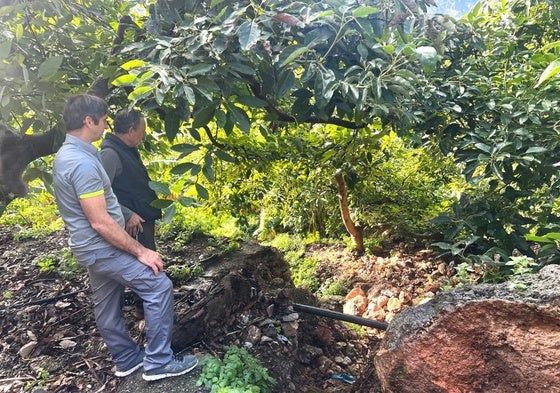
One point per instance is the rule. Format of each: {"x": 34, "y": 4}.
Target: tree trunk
{"x": 355, "y": 231}
{"x": 16, "y": 152}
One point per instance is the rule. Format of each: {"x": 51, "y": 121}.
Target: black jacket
{"x": 131, "y": 185}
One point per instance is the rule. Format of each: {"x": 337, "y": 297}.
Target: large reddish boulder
{"x": 483, "y": 338}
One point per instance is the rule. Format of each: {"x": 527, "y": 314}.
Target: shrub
{"x": 237, "y": 372}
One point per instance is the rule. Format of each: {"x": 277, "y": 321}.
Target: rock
{"x": 254, "y": 334}
{"x": 394, "y": 304}
{"x": 382, "y": 301}
{"x": 65, "y": 344}
{"x": 290, "y": 329}
{"x": 290, "y": 317}
{"x": 26, "y": 350}
{"x": 356, "y": 302}
{"x": 323, "y": 335}
{"x": 482, "y": 338}
{"x": 308, "y": 353}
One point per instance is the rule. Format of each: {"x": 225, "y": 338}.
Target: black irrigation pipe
{"x": 340, "y": 316}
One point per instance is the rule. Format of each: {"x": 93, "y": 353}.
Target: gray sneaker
{"x": 132, "y": 366}
{"x": 178, "y": 365}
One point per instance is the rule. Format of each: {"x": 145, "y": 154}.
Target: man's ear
{"x": 88, "y": 121}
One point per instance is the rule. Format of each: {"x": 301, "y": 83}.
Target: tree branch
{"x": 282, "y": 116}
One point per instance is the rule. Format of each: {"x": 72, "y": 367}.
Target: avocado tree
{"x": 226, "y": 72}
{"x": 493, "y": 106}
{"x": 238, "y": 72}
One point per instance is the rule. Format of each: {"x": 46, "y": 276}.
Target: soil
{"x": 48, "y": 338}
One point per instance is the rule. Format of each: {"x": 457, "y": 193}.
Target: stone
{"x": 394, "y": 304}
{"x": 290, "y": 317}
{"x": 290, "y": 329}
{"x": 306, "y": 354}
{"x": 254, "y": 334}
{"x": 482, "y": 338}
{"x": 355, "y": 302}
{"x": 26, "y": 350}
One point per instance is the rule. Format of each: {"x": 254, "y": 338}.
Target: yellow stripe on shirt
{"x": 91, "y": 194}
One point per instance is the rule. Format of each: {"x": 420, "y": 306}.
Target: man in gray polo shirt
{"x": 113, "y": 258}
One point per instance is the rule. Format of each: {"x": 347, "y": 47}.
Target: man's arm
{"x": 95, "y": 209}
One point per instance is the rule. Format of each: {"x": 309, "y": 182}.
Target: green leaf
{"x": 364, "y": 12}
{"x": 292, "y": 53}
{"x": 483, "y": 147}
{"x": 286, "y": 81}
{"x": 124, "y": 80}
{"x": 196, "y": 169}
{"x": 133, "y": 64}
{"x": 185, "y": 148}
{"x": 208, "y": 173}
{"x": 187, "y": 201}
{"x": 552, "y": 45}
{"x": 204, "y": 116}
{"x": 550, "y": 71}
{"x": 161, "y": 203}
{"x": 172, "y": 124}
{"x": 428, "y": 57}
{"x": 242, "y": 68}
{"x": 201, "y": 191}
{"x": 160, "y": 188}
{"x": 169, "y": 213}
{"x": 536, "y": 149}
{"x": 240, "y": 118}
{"x": 139, "y": 93}
{"x": 50, "y": 66}
{"x": 252, "y": 102}
{"x": 540, "y": 239}
{"x": 249, "y": 35}
{"x": 200, "y": 69}
{"x": 222, "y": 155}
{"x": 182, "y": 168}
{"x": 189, "y": 93}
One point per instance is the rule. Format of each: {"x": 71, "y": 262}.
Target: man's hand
{"x": 134, "y": 225}
{"x": 95, "y": 210}
{"x": 151, "y": 259}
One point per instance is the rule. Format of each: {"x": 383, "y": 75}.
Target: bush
{"x": 237, "y": 372}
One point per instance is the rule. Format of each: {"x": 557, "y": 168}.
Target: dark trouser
{"x": 147, "y": 237}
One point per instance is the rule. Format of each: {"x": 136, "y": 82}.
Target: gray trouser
{"x": 114, "y": 269}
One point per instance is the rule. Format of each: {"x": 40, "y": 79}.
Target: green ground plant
{"x": 181, "y": 273}
{"x": 238, "y": 371}
{"x": 40, "y": 380}
{"x": 189, "y": 222}
{"x": 62, "y": 261}
{"x": 35, "y": 216}
{"x": 302, "y": 268}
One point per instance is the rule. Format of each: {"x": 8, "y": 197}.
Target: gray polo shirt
{"x": 78, "y": 174}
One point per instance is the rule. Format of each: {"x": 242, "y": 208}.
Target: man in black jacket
{"x": 128, "y": 175}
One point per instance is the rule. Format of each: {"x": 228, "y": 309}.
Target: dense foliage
{"x": 502, "y": 129}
